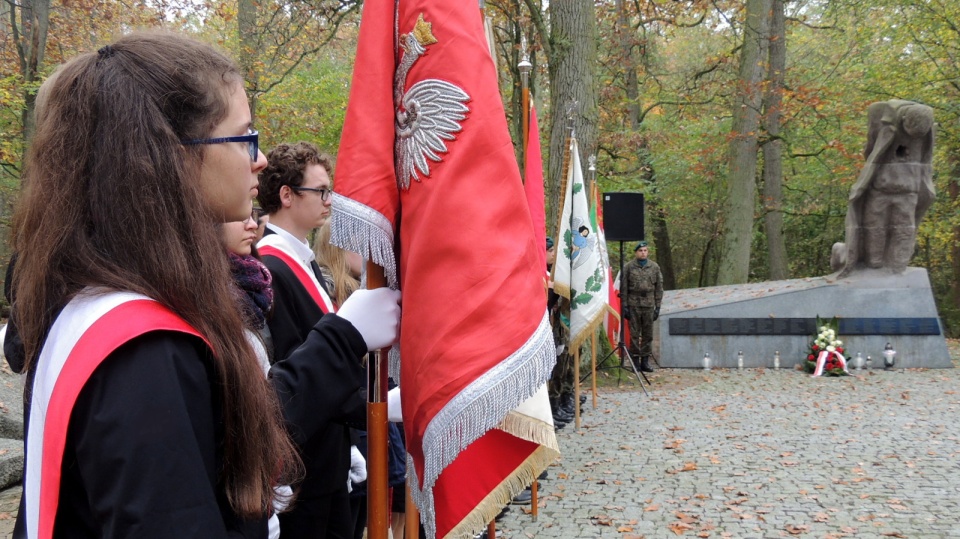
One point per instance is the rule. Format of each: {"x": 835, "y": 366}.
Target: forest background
{"x": 742, "y": 122}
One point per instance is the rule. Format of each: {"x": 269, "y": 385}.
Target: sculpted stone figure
{"x": 893, "y": 191}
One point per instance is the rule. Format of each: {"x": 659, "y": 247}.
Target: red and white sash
{"x": 822, "y": 358}
{"x": 276, "y": 246}
{"x": 90, "y": 328}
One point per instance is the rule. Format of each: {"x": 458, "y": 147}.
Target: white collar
{"x": 300, "y": 248}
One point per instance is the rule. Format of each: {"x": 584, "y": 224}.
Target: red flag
{"x": 367, "y": 202}
{"x": 475, "y": 341}
{"x": 533, "y": 186}
{"x": 611, "y": 322}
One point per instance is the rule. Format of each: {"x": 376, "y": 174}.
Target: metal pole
{"x": 525, "y": 67}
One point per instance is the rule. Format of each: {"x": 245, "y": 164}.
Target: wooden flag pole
{"x": 576, "y": 387}
{"x": 593, "y": 367}
{"x": 378, "y": 499}
{"x": 411, "y": 529}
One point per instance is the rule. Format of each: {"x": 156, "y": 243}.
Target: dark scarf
{"x": 253, "y": 279}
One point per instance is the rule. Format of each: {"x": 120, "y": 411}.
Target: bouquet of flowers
{"x": 825, "y": 356}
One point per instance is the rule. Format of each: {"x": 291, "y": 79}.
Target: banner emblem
{"x": 429, "y": 112}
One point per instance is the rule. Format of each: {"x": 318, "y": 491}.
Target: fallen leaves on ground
{"x": 687, "y": 467}
{"x": 602, "y": 520}
{"x": 673, "y": 444}
{"x": 797, "y": 529}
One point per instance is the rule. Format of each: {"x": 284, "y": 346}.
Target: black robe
{"x": 145, "y": 439}
{"x": 326, "y": 455}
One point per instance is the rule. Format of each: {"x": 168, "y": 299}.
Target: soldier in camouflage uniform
{"x": 642, "y": 291}
{"x": 561, "y": 380}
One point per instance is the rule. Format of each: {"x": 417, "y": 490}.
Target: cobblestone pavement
{"x": 750, "y": 454}
{"x": 758, "y": 454}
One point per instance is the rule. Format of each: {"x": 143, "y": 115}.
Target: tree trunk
{"x": 661, "y": 236}
{"x": 661, "y": 240}
{"x": 572, "y": 58}
{"x": 625, "y": 33}
{"x": 247, "y": 11}
{"x": 30, "y": 36}
{"x": 773, "y": 148}
{"x": 741, "y": 181}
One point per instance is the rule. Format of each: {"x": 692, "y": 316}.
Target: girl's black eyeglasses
{"x": 252, "y": 139}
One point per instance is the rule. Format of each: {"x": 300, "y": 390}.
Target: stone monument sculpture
{"x": 892, "y": 192}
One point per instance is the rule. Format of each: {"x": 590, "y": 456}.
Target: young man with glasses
{"x": 296, "y": 195}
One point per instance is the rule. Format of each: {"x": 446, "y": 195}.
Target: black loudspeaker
{"x": 623, "y": 216}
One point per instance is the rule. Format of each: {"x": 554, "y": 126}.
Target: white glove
{"x": 375, "y": 314}
{"x": 358, "y": 468}
{"x": 394, "y": 411}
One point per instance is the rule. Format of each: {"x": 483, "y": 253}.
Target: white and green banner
{"x": 578, "y": 273}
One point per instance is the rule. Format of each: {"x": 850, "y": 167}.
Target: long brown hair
{"x": 335, "y": 259}
{"x": 111, "y": 199}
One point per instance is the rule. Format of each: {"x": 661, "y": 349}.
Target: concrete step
{"x": 11, "y": 462}
{"x": 11, "y": 426}
{"x": 11, "y": 403}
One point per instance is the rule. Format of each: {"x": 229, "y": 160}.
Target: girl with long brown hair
{"x": 148, "y": 415}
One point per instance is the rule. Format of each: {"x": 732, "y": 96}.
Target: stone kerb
{"x": 869, "y": 295}
{"x": 11, "y": 426}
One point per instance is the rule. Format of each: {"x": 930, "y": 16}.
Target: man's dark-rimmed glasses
{"x": 252, "y": 139}
{"x": 324, "y": 192}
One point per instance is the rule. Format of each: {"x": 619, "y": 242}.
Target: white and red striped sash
{"x": 273, "y": 245}
{"x": 88, "y": 329}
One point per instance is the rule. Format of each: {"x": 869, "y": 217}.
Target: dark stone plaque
{"x": 730, "y": 326}
{"x": 780, "y": 326}
{"x": 802, "y": 326}
{"x": 799, "y": 326}
{"x": 711, "y": 326}
{"x": 889, "y": 326}
{"x": 696, "y": 327}
{"x": 765, "y": 326}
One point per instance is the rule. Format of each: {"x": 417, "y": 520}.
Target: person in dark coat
{"x": 295, "y": 192}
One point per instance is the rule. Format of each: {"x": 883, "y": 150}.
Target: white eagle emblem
{"x": 428, "y": 114}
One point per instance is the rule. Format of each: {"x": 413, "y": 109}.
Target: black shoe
{"x": 563, "y": 414}
{"x": 503, "y": 513}
{"x": 645, "y": 365}
{"x": 543, "y": 476}
{"x": 566, "y": 404}
{"x": 524, "y": 498}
